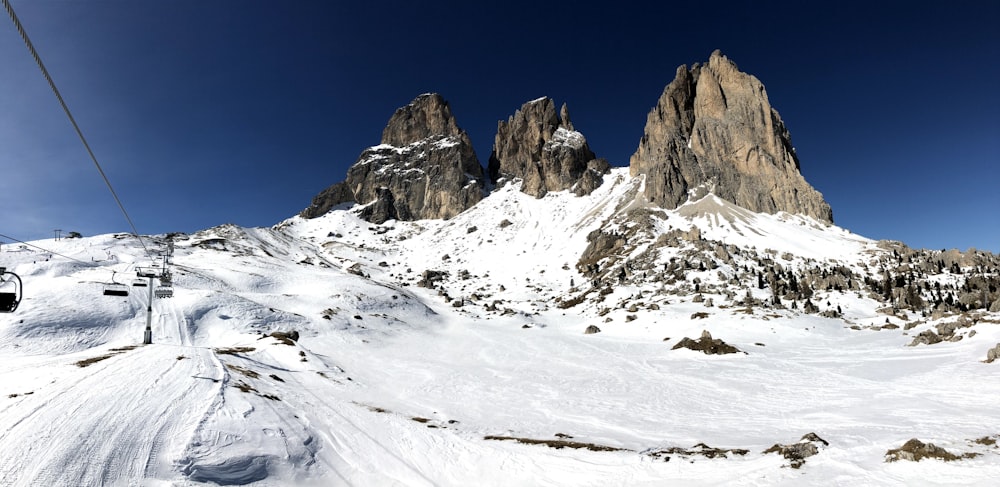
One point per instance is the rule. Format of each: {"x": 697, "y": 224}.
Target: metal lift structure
{"x": 11, "y": 291}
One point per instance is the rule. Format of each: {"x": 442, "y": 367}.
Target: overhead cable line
{"x": 44, "y": 250}
{"x": 52, "y": 85}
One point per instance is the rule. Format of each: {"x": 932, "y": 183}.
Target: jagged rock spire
{"x": 424, "y": 168}
{"x": 713, "y": 129}
{"x": 543, "y": 149}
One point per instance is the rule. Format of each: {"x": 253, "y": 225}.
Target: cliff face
{"x": 424, "y": 168}
{"x": 543, "y": 149}
{"x": 713, "y": 129}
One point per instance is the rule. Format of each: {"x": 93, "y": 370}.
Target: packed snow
{"x": 307, "y": 354}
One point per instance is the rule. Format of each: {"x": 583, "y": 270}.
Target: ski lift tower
{"x": 149, "y": 273}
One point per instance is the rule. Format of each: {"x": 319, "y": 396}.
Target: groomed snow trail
{"x": 124, "y": 418}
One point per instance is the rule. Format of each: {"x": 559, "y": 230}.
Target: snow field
{"x": 389, "y": 383}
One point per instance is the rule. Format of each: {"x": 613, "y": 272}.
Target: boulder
{"x": 926, "y": 337}
{"x": 993, "y": 354}
{"x": 707, "y": 345}
{"x": 798, "y": 452}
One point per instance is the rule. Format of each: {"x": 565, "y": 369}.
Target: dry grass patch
{"x": 93, "y": 360}
{"x": 114, "y": 351}
{"x": 699, "y": 449}
{"x": 557, "y": 444}
{"x": 986, "y": 440}
{"x": 243, "y": 370}
{"x": 243, "y": 386}
{"x": 234, "y": 350}
{"x": 287, "y": 338}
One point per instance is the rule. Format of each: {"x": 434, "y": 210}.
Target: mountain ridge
{"x": 713, "y": 127}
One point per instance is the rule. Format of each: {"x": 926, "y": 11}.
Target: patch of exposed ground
{"x": 233, "y": 350}
{"x": 114, "y": 351}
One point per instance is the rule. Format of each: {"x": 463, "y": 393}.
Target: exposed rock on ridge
{"x": 424, "y": 168}
{"x": 545, "y": 151}
{"x": 713, "y": 129}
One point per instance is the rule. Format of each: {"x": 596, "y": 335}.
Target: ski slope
{"x": 391, "y": 383}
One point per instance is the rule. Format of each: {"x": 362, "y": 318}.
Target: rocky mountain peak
{"x": 713, "y": 129}
{"x": 543, "y": 149}
{"x": 425, "y": 168}
{"x": 428, "y": 115}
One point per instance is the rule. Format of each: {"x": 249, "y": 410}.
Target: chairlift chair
{"x": 11, "y": 291}
{"x": 139, "y": 283}
{"x": 163, "y": 292}
{"x": 114, "y": 288}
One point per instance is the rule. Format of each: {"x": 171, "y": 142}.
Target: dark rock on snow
{"x": 707, "y": 345}
{"x": 993, "y": 354}
{"x": 915, "y": 450}
{"x": 798, "y": 452}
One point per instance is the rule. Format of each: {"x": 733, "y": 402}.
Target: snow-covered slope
{"x": 333, "y": 351}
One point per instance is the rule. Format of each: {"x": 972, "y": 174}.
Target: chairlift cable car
{"x": 11, "y": 291}
{"x": 115, "y": 288}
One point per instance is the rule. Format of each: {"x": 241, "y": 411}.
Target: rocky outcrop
{"x": 425, "y": 168}
{"x": 808, "y": 446}
{"x": 993, "y": 354}
{"x": 543, "y": 149}
{"x": 915, "y": 450}
{"x": 327, "y": 199}
{"x": 707, "y": 345}
{"x": 713, "y": 130}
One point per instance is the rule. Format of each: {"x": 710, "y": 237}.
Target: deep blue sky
{"x": 207, "y": 112}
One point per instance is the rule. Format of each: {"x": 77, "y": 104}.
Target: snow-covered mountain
{"x": 334, "y": 351}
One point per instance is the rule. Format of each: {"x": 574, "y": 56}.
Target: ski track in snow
{"x": 115, "y": 421}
